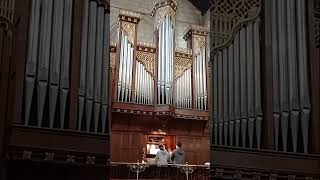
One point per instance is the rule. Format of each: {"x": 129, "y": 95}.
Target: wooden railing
{"x": 151, "y": 171}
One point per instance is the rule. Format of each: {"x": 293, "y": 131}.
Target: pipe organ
{"x": 196, "y": 35}
{"x": 165, "y": 21}
{"x": 237, "y": 111}
{"x": 127, "y": 41}
{"x": 183, "y": 78}
{"x": 160, "y": 74}
{"x": 144, "y": 86}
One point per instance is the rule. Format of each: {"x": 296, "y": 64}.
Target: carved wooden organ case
{"x": 159, "y": 78}
{"x": 245, "y": 36}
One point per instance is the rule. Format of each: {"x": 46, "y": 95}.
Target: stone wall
{"x": 186, "y": 14}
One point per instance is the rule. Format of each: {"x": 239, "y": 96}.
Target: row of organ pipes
{"x": 237, "y": 109}
{"x": 125, "y": 69}
{"x": 138, "y": 83}
{"x": 47, "y": 79}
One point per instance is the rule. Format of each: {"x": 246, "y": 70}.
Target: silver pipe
{"x": 162, "y": 62}
{"x": 131, "y": 73}
{"x": 201, "y": 80}
{"x": 127, "y": 72}
{"x": 159, "y": 64}
{"x": 124, "y": 47}
{"x": 138, "y": 82}
{"x": 204, "y": 78}
{"x": 120, "y": 67}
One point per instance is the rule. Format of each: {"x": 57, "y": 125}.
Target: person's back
{"x": 162, "y": 156}
{"x": 178, "y": 155}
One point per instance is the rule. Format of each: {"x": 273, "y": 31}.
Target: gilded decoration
{"x": 198, "y": 43}
{"x": 227, "y": 17}
{"x": 161, "y": 9}
{"x": 130, "y": 29}
{"x": 182, "y": 64}
{"x": 148, "y": 60}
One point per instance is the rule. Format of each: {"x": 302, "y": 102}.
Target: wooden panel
{"x": 265, "y": 160}
{"x": 126, "y": 146}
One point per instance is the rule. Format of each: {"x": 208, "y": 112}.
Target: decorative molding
{"x": 129, "y": 14}
{"x": 195, "y": 29}
{"x": 187, "y": 51}
{"x": 26, "y": 155}
{"x": 160, "y": 113}
{"x": 48, "y": 156}
{"x": 90, "y": 160}
{"x": 71, "y": 159}
{"x": 146, "y": 45}
{"x": 163, "y": 8}
{"x": 232, "y": 15}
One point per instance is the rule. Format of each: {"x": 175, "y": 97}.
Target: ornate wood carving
{"x": 161, "y": 9}
{"x": 183, "y": 61}
{"x": 146, "y": 55}
{"x": 231, "y": 15}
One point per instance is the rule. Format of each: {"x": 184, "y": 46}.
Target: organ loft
{"x": 159, "y": 90}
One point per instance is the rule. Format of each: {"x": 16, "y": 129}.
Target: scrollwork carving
{"x": 227, "y": 17}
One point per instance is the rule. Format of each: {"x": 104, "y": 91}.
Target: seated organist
{"x": 162, "y": 156}
{"x": 175, "y": 157}
{"x": 178, "y": 155}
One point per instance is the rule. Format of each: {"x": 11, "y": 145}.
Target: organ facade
{"x": 159, "y": 84}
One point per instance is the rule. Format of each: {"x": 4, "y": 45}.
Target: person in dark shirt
{"x": 178, "y": 155}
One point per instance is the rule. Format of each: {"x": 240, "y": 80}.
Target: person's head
{"x": 161, "y": 147}
{"x": 179, "y": 144}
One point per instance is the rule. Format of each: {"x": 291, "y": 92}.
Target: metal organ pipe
{"x": 165, "y": 62}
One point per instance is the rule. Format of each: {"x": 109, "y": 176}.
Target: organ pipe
{"x": 291, "y": 88}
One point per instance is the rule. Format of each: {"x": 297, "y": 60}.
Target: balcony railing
{"x": 151, "y": 171}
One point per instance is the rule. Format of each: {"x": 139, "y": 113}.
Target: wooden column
{"x": 17, "y": 67}
{"x": 314, "y": 65}
{"x": 266, "y": 76}
{"x": 77, "y": 18}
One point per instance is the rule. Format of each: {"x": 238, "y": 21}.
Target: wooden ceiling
{"x": 202, "y": 5}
